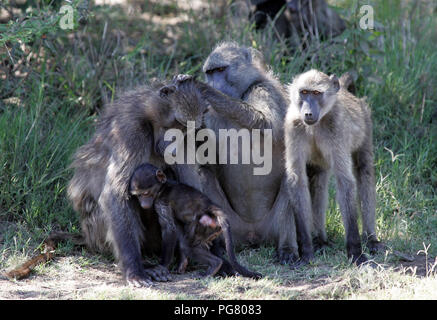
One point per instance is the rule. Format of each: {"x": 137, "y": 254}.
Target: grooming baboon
{"x": 300, "y": 18}
{"x": 187, "y": 218}
{"x": 328, "y": 128}
{"x": 242, "y": 93}
{"x": 128, "y": 133}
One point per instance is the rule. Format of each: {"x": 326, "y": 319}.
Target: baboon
{"x": 188, "y": 219}
{"x": 326, "y": 128}
{"x": 300, "y": 18}
{"x": 242, "y": 93}
{"x": 128, "y": 133}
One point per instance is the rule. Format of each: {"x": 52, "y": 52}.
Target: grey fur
{"x": 127, "y": 134}
{"x": 247, "y": 95}
{"x": 341, "y": 141}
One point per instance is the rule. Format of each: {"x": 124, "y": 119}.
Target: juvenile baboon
{"x": 242, "y": 93}
{"x": 328, "y": 128}
{"x": 188, "y": 219}
{"x": 128, "y": 133}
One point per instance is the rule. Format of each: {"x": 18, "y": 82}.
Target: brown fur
{"x": 188, "y": 220}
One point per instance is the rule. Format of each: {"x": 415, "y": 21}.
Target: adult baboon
{"x": 242, "y": 93}
{"x": 329, "y": 128}
{"x": 128, "y": 133}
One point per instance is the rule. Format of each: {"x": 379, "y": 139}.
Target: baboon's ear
{"x": 162, "y": 178}
{"x": 166, "y": 90}
{"x": 335, "y": 83}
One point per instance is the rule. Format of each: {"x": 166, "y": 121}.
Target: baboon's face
{"x": 230, "y": 70}
{"x": 315, "y": 95}
{"x": 311, "y": 102}
{"x": 221, "y": 77}
{"x": 145, "y": 184}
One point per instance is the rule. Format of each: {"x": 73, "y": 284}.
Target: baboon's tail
{"x": 24, "y": 270}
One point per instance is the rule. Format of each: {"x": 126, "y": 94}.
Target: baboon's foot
{"x": 158, "y": 273}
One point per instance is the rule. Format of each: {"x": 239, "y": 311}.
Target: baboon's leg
{"x": 125, "y": 233}
{"x": 205, "y": 257}
{"x": 346, "y": 197}
{"x": 183, "y": 260}
{"x": 218, "y": 249}
{"x": 300, "y": 199}
{"x": 318, "y": 179}
{"x": 170, "y": 232}
{"x": 284, "y": 228}
{"x": 367, "y": 195}
{"x": 183, "y": 251}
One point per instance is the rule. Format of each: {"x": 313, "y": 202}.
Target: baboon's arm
{"x": 252, "y": 115}
{"x": 169, "y": 231}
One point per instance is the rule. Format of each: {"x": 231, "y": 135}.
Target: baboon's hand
{"x": 178, "y": 79}
{"x": 158, "y": 273}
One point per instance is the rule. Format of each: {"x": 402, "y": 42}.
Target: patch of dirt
{"x": 422, "y": 266}
{"x": 87, "y": 277}
{"x": 65, "y": 278}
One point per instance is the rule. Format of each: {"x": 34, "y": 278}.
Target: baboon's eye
{"x": 146, "y": 193}
{"x": 221, "y": 69}
{"x": 315, "y": 92}
{"x": 304, "y": 91}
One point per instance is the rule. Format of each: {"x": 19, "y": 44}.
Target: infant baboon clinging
{"x": 129, "y": 132}
{"x": 188, "y": 219}
{"x": 326, "y": 128}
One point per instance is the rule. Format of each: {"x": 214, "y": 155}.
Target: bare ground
{"x": 75, "y": 277}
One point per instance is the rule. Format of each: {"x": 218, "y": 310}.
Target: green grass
{"x": 54, "y": 107}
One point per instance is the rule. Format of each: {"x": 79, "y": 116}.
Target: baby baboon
{"x": 328, "y": 128}
{"x": 129, "y": 132}
{"x": 187, "y": 218}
